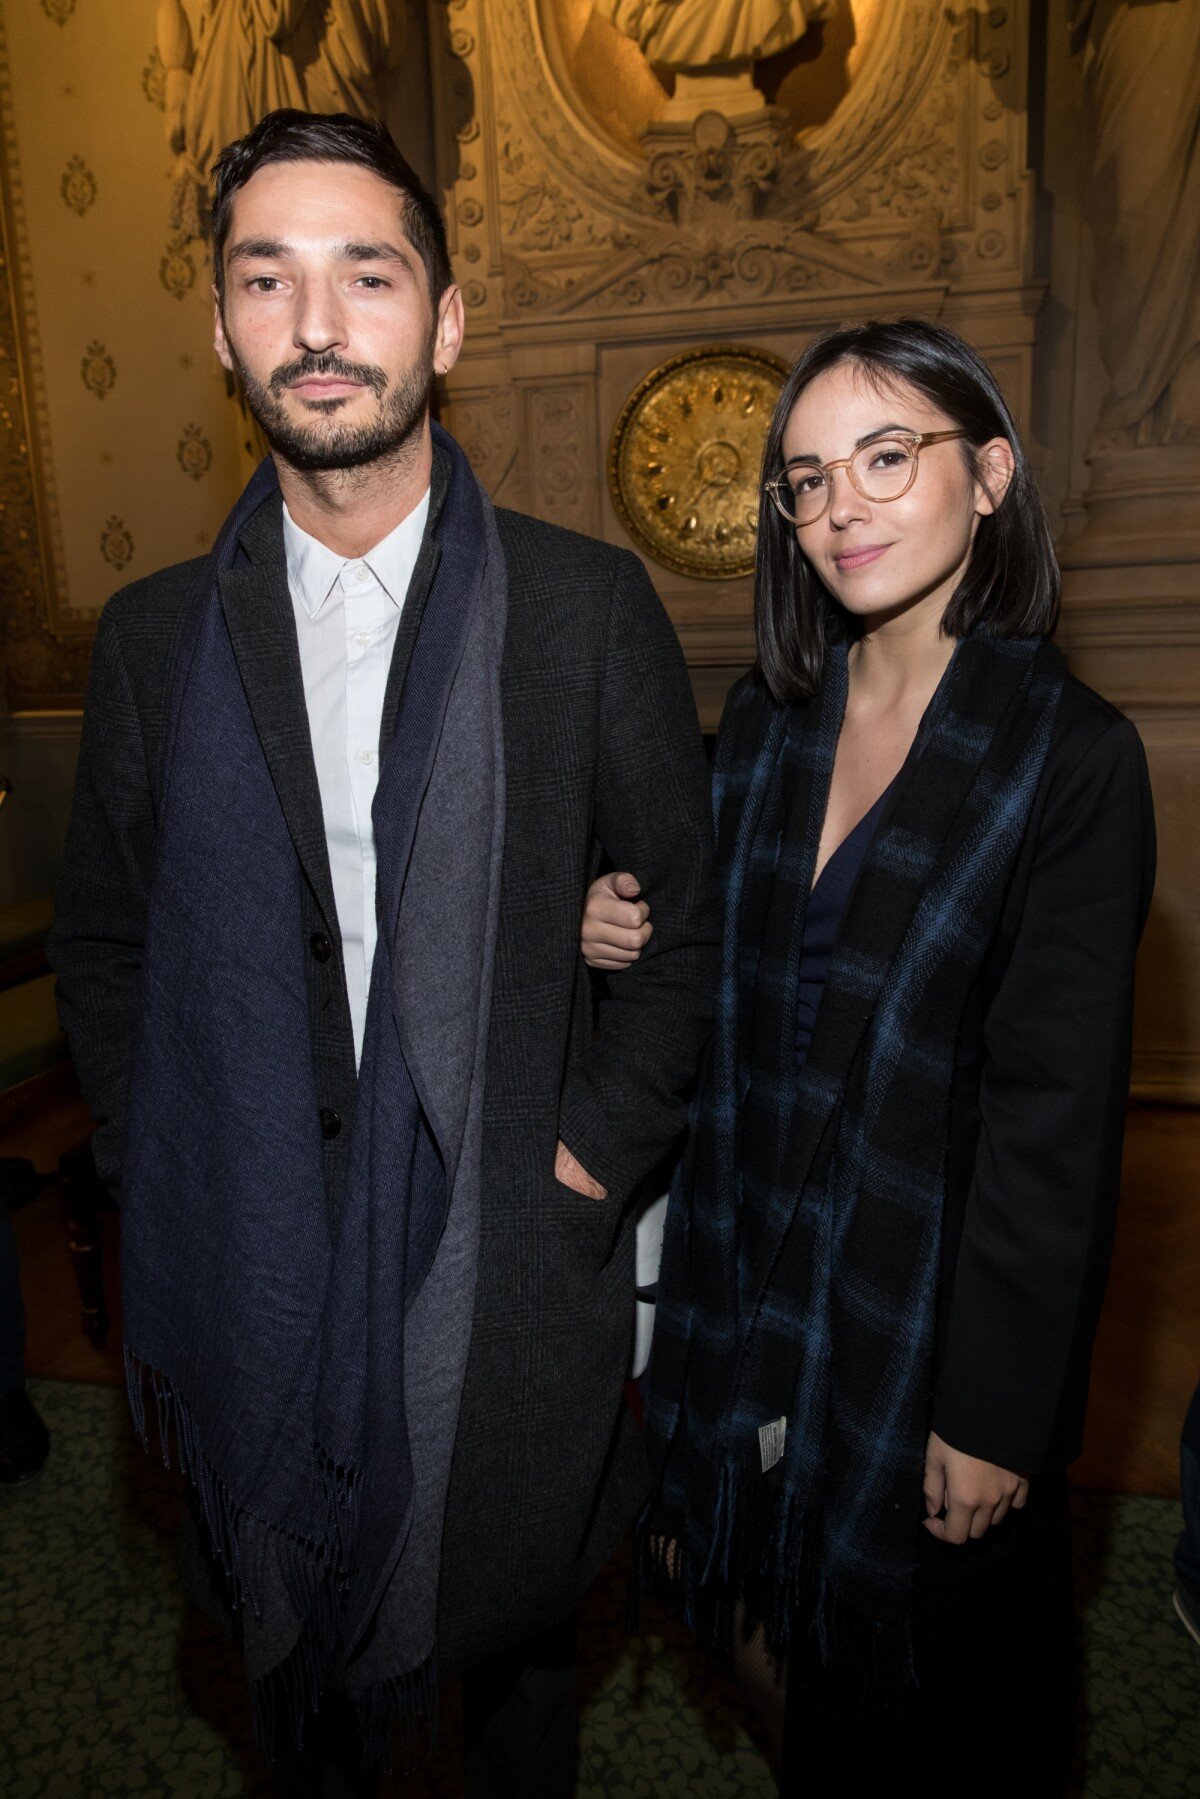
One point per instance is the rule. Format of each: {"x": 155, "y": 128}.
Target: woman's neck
{"x": 900, "y": 661}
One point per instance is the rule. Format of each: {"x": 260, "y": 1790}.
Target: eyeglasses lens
{"x": 881, "y": 471}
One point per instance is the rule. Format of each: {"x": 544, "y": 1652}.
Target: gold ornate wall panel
{"x": 122, "y": 448}
{"x": 123, "y": 454}
{"x": 596, "y": 235}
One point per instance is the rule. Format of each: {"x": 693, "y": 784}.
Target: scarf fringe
{"x": 315, "y": 1573}
{"x": 761, "y": 1553}
{"x": 238, "y": 1540}
{"x": 409, "y": 1699}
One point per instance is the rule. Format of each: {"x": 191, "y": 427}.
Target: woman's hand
{"x": 616, "y": 923}
{"x": 973, "y": 1495}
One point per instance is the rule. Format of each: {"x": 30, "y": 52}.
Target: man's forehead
{"x": 310, "y": 193}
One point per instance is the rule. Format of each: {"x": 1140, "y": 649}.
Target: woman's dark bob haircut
{"x": 1010, "y": 587}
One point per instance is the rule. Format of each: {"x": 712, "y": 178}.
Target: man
{"x": 341, "y": 788}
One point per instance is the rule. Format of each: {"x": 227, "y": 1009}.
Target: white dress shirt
{"x": 347, "y": 613}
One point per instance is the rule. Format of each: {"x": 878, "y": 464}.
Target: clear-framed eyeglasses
{"x": 881, "y": 470}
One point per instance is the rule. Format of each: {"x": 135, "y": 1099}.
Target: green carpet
{"x": 108, "y": 1688}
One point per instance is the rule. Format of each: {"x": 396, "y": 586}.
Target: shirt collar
{"x": 313, "y": 568}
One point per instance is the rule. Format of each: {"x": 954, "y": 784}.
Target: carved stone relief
{"x": 558, "y": 435}
{"x": 614, "y": 224}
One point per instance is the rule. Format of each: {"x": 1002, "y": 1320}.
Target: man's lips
{"x": 859, "y": 558}
{"x": 325, "y": 387}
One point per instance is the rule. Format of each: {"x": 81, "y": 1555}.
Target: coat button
{"x": 331, "y": 1123}
{"x": 320, "y": 946}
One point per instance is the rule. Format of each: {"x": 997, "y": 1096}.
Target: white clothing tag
{"x": 770, "y": 1442}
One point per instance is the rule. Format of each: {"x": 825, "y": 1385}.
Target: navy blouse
{"x": 827, "y": 905}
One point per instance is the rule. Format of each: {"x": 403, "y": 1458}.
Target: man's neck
{"x": 351, "y": 510}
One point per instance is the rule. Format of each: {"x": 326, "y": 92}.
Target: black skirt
{"x": 993, "y": 1712}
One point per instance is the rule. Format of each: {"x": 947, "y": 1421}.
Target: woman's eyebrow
{"x": 868, "y": 437}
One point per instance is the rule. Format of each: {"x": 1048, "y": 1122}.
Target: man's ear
{"x": 451, "y": 328}
{"x": 996, "y": 463}
{"x": 220, "y": 342}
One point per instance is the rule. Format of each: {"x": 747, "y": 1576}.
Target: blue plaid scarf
{"x": 788, "y": 1393}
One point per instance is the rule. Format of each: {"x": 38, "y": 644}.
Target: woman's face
{"x": 883, "y": 559}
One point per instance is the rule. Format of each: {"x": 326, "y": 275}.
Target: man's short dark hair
{"x": 289, "y": 135}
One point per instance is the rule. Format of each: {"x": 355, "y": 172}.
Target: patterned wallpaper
{"x": 118, "y": 441}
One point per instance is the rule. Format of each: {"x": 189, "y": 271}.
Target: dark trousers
{"x": 994, "y": 1651}
{"x": 12, "y": 1311}
{"x": 521, "y": 1719}
{"x": 520, "y": 1729}
{"x": 1187, "y": 1550}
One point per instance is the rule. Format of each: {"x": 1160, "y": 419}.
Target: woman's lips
{"x": 852, "y": 559}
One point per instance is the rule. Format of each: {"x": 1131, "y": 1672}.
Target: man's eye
{"x": 371, "y": 281}
{"x": 264, "y": 284}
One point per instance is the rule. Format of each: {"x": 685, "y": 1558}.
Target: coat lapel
{"x": 262, "y": 628}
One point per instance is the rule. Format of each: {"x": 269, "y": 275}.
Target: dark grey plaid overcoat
{"x": 603, "y": 754}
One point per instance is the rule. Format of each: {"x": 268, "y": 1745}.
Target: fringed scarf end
{"x": 402, "y": 1709}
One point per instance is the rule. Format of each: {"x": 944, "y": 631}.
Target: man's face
{"x": 327, "y": 320}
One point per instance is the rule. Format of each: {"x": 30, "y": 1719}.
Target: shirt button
{"x": 363, "y": 638}
{"x": 331, "y": 1123}
{"x": 362, "y": 573}
{"x": 366, "y": 757}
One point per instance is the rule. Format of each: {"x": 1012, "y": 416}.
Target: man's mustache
{"x": 311, "y": 364}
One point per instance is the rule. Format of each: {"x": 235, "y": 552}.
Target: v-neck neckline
{"x": 852, "y": 833}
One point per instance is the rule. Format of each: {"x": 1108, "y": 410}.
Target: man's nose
{"x": 319, "y": 324}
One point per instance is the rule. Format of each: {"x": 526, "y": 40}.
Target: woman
{"x": 887, "y": 1241}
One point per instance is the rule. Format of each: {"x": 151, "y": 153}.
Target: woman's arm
{"x": 1031, "y": 1266}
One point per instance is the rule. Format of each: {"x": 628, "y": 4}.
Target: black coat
{"x": 1038, "y": 1104}
{"x": 603, "y": 754}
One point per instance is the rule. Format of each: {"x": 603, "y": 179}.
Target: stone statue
{"x": 248, "y": 57}
{"x": 695, "y": 34}
{"x": 1141, "y": 74}
{"x": 711, "y": 48}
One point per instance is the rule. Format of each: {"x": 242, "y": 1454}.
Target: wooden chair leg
{"x": 83, "y": 1195}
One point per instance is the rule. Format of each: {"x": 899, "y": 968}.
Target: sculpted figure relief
{"x": 695, "y": 34}
{"x": 1142, "y": 86}
{"x": 711, "y": 49}
{"x": 248, "y": 57}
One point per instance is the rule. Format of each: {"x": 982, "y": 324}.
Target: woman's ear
{"x": 995, "y": 463}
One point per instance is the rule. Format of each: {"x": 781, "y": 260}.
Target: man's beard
{"x": 404, "y": 403}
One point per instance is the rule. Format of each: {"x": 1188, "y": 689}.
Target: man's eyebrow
{"x": 868, "y": 437}
{"x": 255, "y": 249}
{"x": 371, "y": 252}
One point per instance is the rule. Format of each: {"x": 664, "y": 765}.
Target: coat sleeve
{"x": 624, "y": 1103}
{"x": 95, "y": 946}
{"x": 1041, "y": 1209}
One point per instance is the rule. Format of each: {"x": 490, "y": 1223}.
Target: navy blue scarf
{"x": 280, "y": 1341}
{"x": 790, "y": 1380}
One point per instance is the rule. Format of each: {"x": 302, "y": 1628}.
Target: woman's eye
{"x": 889, "y": 458}
{"x": 803, "y": 483}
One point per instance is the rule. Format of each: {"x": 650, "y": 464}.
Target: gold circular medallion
{"x": 684, "y": 462}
